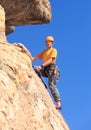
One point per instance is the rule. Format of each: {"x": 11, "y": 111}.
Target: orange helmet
{"x": 49, "y": 38}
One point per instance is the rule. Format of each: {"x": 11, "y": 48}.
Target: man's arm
{"x": 35, "y": 58}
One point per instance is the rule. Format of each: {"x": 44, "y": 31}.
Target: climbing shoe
{"x": 58, "y": 105}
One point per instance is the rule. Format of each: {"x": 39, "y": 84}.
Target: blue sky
{"x": 70, "y": 26}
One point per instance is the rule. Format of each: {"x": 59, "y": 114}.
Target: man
{"x": 48, "y": 68}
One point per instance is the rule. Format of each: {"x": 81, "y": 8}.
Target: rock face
{"x": 21, "y": 12}
{"x": 24, "y": 101}
{"x": 2, "y": 25}
{"x": 9, "y": 29}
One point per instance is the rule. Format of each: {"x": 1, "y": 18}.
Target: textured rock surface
{"x": 21, "y": 12}
{"x": 9, "y": 29}
{"x": 2, "y": 25}
{"x": 24, "y": 101}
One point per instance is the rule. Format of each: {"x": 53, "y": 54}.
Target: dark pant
{"x": 49, "y": 72}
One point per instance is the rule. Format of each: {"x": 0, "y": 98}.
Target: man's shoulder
{"x": 54, "y": 49}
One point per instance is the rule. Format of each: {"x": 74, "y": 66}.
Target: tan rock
{"x": 9, "y": 29}
{"x": 2, "y": 25}
{"x": 23, "y": 12}
{"x": 24, "y": 101}
{"x": 25, "y": 104}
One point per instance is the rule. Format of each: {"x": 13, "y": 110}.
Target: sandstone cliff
{"x": 24, "y": 101}
{"x": 21, "y": 12}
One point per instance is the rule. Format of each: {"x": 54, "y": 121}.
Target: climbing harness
{"x": 48, "y": 71}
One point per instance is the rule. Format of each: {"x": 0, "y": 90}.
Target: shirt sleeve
{"x": 53, "y": 53}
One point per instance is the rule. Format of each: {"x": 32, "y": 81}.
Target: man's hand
{"x": 38, "y": 68}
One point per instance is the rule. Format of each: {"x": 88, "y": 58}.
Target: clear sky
{"x": 70, "y": 26}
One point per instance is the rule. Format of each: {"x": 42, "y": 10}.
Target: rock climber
{"x": 48, "y": 68}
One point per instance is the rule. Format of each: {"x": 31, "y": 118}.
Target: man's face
{"x": 49, "y": 44}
